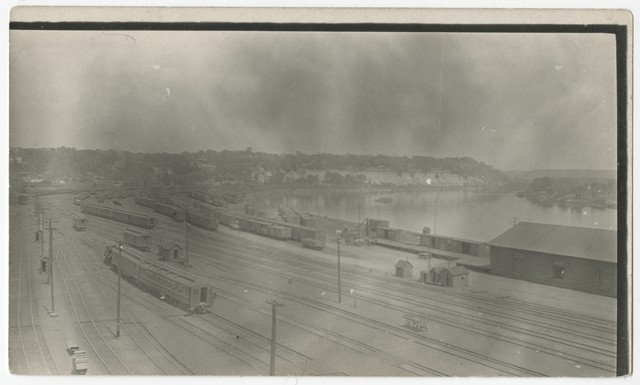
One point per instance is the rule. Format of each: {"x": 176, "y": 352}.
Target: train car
{"x": 172, "y": 212}
{"x": 142, "y": 201}
{"x": 279, "y": 232}
{"x": 203, "y": 208}
{"x": 137, "y": 239}
{"x": 202, "y": 220}
{"x": 127, "y": 217}
{"x": 312, "y": 244}
{"x": 79, "y": 222}
{"x": 184, "y": 289}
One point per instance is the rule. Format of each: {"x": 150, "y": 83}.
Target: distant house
{"x": 169, "y": 251}
{"x": 404, "y": 269}
{"x": 576, "y": 258}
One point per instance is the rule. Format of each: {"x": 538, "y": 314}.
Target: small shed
{"x": 404, "y": 269}
{"x": 432, "y": 276}
{"x": 168, "y": 251}
{"x": 457, "y": 276}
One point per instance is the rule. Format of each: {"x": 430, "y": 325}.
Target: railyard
{"x": 384, "y": 325}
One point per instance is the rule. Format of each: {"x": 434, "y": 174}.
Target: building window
{"x": 558, "y": 272}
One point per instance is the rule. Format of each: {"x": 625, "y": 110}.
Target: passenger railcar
{"x": 184, "y": 289}
{"x": 79, "y": 222}
{"x": 172, "y": 212}
{"x": 137, "y": 239}
{"x": 128, "y": 217}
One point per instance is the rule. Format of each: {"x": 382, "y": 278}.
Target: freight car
{"x": 202, "y": 220}
{"x": 172, "y": 212}
{"x": 137, "y": 239}
{"x": 279, "y": 232}
{"x": 128, "y": 217}
{"x": 179, "y": 287}
{"x": 79, "y": 222}
{"x": 142, "y": 201}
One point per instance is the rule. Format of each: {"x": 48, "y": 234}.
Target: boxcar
{"x": 279, "y": 232}
{"x": 79, "y": 222}
{"x": 172, "y": 212}
{"x": 202, "y": 220}
{"x": 137, "y": 239}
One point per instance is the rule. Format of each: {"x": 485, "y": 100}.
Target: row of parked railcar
{"x": 309, "y": 237}
{"x": 185, "y": 289}
{"x": 123, "y": 216}
{"x": 200, "y": 217}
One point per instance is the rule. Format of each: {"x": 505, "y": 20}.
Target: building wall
{"x": 587, "y": 275}
{"x": 406, "y": 272}
{"x": 455, "y": 245}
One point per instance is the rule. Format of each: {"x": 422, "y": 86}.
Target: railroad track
{"x": 181, "y": 322}
{"x": 236, "y": 257}
{"x": 37, "y": 359}
{"x": 152, "y": 349}
{"x": 290, "y": 259}
{"x": 107, "y": 357}
{"x": 461, "y": 353}
{"x": 453, "y": 321}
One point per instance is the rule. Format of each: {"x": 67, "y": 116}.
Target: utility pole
{"x": 339, "y": 282}
{"x": 359, "y": 222}
{"x": 119, "y": 278}
{"x": 186, "y": 234}
{"x": 272, "y": 366}
{"x": 435, "y": 219}
{"x": 53, "y": 308}
{"x": 41, "y": 230}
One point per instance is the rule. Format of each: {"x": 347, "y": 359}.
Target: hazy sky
{"x": 516, "y": 101}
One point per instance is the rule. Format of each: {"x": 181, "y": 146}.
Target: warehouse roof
{"x": 579, "y": 242}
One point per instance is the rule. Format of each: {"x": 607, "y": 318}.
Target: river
{"x": 456, "y": 213}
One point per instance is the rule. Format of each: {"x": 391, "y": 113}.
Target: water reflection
{"x": 457, "y": 213}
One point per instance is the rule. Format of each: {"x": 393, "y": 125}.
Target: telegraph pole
{"x": 339, "y": 282}
{"x": 435, "y": 219}
{"x": 186, "y": 234}
{"x": 119, "y": 278}
{"x": 274, "y": 304}
{"x": 359, "y": 221}
{"x": 41, "y": 230}
{"x": 53, "y": 308}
